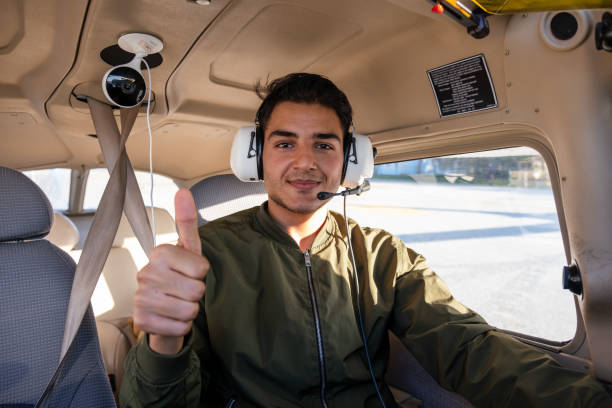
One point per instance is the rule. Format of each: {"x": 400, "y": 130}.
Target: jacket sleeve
{"x": 464, "y": 354}
{"x": 155, "y": 380}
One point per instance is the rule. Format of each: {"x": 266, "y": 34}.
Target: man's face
{"x": 302, "y": 155}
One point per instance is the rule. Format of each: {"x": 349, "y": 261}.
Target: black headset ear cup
{"x": 349, "y": 142}
{"x": 259, "y": 138}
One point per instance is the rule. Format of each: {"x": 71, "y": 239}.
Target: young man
{"x": 277, "y": 325}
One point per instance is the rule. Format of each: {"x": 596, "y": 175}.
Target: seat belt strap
{"x": 108, "y": 137}
{"x": 106, "y": 221}
{"x": 105, "y": 224}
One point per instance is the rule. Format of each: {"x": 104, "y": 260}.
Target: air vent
{"x": 565, "y": 30}
{"x": 563, "y": 26}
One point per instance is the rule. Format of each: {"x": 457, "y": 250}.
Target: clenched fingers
{"x": 179, "y": 259}
{"x": 161, "y": 304}
{"x": 161, "y": 325}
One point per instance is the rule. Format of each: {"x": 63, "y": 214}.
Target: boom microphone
{"x": 365, "y": 186}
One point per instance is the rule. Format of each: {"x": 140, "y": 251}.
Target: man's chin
{"x": 305, "y": 207}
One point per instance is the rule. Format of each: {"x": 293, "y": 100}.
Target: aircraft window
{"x": 487, "y": 224}
{"x": 163, "y": 193}
{"x": 55, "y": 183}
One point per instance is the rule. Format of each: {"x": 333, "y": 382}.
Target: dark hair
{"x": 303, "y": 88}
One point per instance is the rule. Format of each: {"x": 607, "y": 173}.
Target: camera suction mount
{"x": 124, "y": 84}
{"x": 140, "y": 44}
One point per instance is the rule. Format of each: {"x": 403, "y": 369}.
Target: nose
{"x": 304, "y": 158}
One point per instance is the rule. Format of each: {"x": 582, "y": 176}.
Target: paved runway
{"x": 499, "y": 249}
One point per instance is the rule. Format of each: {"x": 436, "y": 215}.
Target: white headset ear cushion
{"x": 364, "y": 168}
{"x": 243, "y": 157}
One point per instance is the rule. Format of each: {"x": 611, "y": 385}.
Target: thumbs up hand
{"x": 171, "y": 284}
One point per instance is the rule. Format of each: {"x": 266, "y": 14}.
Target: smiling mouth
{"x": 304, "y": 184}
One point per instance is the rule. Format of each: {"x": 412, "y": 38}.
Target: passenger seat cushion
{"x": 23, "y": 201}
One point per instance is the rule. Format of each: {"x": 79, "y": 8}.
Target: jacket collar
{"x": 272, "y": 229}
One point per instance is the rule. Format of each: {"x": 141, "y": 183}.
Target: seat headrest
{"x": 64, "y": 233}
{"x": 164, "y": 224}
{"x": 25, "y": 211}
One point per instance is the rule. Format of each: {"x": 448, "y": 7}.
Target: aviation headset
{"x": 247, "y": 152}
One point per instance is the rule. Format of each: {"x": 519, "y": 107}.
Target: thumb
{"x": 187, "y": 221}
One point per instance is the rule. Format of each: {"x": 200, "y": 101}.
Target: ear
{"x": 359, "y": 161}
{"x": 245, "y": 154}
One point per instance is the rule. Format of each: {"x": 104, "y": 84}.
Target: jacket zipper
{"x": 315, "y": 313}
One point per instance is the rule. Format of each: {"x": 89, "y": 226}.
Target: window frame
{"x": 78, "y": 180}
{"x": 410, "y": 144}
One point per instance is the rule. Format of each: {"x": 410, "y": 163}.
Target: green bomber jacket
{"x": 277, "y": 328}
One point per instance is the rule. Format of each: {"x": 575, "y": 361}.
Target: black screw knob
{"x": 572, "y": 279}
{"x": 603, "y": 33}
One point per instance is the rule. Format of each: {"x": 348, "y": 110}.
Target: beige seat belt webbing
{"x": 134, "y": 206}
{"x": 106, "y": 221}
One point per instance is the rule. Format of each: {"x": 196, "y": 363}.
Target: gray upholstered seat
{"x": 36, "y": 279}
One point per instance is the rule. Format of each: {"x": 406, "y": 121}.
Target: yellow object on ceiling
{"x": 523, "y": 6}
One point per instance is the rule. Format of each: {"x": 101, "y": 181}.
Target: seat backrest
{"x": 36, "y": 281}
{"x": 64, "y": 234}
{"x": 221, "y": 195}
{"x": 113, "y": 297}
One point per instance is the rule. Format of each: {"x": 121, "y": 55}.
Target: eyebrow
{"x": 286, "y": 133}
{"x": 282, "y": 133}
{"x": 327, "y": 136}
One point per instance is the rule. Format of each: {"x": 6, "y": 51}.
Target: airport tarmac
{"x": 499, "y": 249}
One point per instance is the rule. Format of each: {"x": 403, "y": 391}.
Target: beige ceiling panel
{"x": 377, "y": 52}
{"x": 39, "y": 53}
{"x": 182, "y": 150}
{"x": 388, "y": 84}
{"x": 11, "y": 25}
{"x": 327, "y": 32}
{"x": 281, "y": 38}
{"x": 12, "y": 98}
{"x": 21, "y": 136}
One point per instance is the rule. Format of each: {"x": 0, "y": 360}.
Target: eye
{"x": 283, "y": 145}
{"x": 324, "y": 146}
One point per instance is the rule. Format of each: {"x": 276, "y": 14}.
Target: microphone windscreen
{"x": 365, "y": 186}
